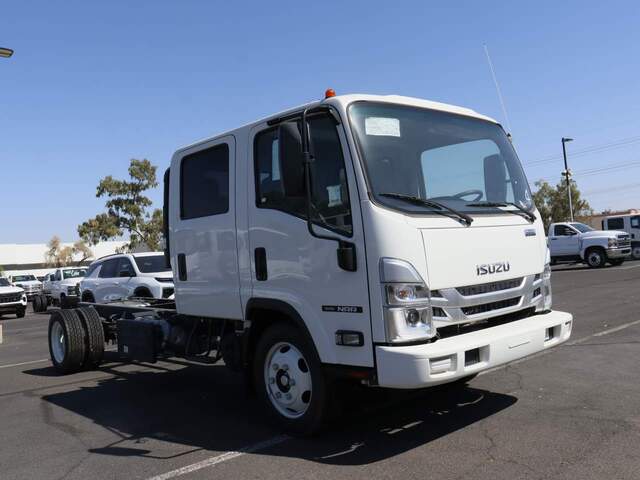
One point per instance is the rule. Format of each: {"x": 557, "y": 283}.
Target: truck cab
{"x": 576, "y": 242}
{"x": 629, "y": 223}
{"x": 397, "y": 237}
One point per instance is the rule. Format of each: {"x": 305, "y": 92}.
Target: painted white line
{"x": 210, "y": 462}
{"x": 628, "y": 267}
{"x": 574, "y": 342}
{"x": 24, "y": 363}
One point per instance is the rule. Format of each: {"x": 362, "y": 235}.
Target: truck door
{"x": 204, "y": 252}
{"x": 565, "y": 241}
{"x": 288, "y": 263}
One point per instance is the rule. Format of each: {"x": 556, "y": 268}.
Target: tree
{"x": 553, "y": 204}
{"x": 128, "y": 209}
{"x": 58, "y": 255}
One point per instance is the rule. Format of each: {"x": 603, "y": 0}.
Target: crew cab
{"x": 576, "y": 242}
{"x": 12, "y": 299}
{"x": 125, "y": 275}
{"x": 28, "y": 282}
{"x": 330, "y": 243}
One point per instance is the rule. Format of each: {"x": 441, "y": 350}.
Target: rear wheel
{"x": 142, "y": 293}
{"x": 635, "y": 252}
{"x": 289, "y": 380}
{"x": 94, "y": 337}
{"x": 88, "y": 297}
{"x": 595, "y": 257}
{"x": 66, "y": 341}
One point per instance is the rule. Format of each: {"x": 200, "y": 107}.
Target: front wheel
{"x": 21, "y": 312}
{"x": 289, "y": 380}
{"x": 595, "y": 258}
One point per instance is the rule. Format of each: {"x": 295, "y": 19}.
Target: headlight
{"x": 407, "y": 309}
{"x": 613, "y": 242}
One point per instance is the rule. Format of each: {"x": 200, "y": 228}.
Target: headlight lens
{"x": 613, "y": 242}
{"x": 407, "y": 313}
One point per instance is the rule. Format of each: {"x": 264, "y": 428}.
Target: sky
{"x": 93, "y": 84}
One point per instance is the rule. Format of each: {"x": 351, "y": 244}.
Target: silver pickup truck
{"x": 576, "y": 242}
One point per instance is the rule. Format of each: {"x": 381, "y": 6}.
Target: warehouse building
{"x": 31, "y": 258}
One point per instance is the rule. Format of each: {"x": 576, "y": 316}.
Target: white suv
{"x": 12, "y": 299}
{"x": 125, "y": 275}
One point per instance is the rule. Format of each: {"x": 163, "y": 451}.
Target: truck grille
{"x": 489, "y": 307}
{"x": 624, "y": 241}
{"x": 479, "y": 289}
{"x": 10, "y": 297}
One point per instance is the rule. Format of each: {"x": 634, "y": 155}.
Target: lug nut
{"x": 275, "y": 367}
{"x": 278, "y": 395}
{"x": 285, "y": 367}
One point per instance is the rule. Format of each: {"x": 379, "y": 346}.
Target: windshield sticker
{"x": 335, "y": 195}
{"x": 382, "y": 126}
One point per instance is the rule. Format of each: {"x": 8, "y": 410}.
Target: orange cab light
{"x": 329, "y": 92}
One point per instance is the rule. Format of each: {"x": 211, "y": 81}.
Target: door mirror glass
{"x": 291, "y": 160}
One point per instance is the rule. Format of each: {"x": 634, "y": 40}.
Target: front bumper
{"x": 12, "y": 307}
{"x": 618, "y": 252}
{"x": 451, "y": 358}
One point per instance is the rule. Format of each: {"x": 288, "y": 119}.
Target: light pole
{"x": 5, "y": 52}
{"x": 567, "y": 174}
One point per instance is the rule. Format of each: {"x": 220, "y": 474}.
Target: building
{"x": 31, "y": 258}
{"x": 595, "y": 220}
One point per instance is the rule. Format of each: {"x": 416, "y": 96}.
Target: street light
{"x": 567, "y": 174}
{"x": 5, "y": 52}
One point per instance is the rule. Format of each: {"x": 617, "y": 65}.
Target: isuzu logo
{"x": 490, "y": 268}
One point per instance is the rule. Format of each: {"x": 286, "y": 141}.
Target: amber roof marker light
{"x": 5, "y": 52}
{"x": 329, "y": 92}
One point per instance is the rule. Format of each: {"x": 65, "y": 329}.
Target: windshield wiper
{"x": 527, "y": 213}
{"x": 466, "y": 219}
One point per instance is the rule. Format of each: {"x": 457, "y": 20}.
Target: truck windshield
{"x": 581, "y": 227}
{"x": 453, "y": 159}
{"x": 4, "y": 282}
{"x": 73, "y": 273}
{"x": 151, "y": 263}
{"x": 23, "y": 278}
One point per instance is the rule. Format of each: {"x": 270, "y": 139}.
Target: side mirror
{"x": 291, "y": 160}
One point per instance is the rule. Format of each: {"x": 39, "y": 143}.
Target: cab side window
{"x": 125, "y": 269}
{"x": 109, "y": 268}
{"x": 563, "y": 231}
{"x": 204, "y": 183}
{"x": 57, "y": 276}
{"x": 615, "y": 223}
{"x": 635, "y": 222}
{"x": 329, "y": 192}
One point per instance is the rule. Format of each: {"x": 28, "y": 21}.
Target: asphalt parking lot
{"x": 570, "y": 413}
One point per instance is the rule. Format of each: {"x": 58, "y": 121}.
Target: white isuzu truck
{"x": 384, "y": 240}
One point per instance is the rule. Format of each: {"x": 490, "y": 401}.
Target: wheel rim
{"x": 595, "y": 259}
{"x": 288, "y": 380}
{"x": 57, "y": 341}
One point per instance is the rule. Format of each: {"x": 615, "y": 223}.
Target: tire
{"x": 43, "y": 303}
{"x": 284, "y": 355}
{"x": 36, "y": 303}
{"x": 94, "y": 337}
{"x": 20, "y": 313}
{"x": 142, "y": 293}
{"x": 635, "y": 252}
{"x": 617, "y": 262}
{"x": 88, "y": 297}
{"x": 66, "y": 341}
{"x": 595, "y": 257}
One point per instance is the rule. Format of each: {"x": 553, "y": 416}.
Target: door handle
{"x": 260, "y": 256}
{"x": 182, "y": 267}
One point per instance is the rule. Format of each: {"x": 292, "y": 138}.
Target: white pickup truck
{"x": 576, "y": 242}
{"x": 61, "y": 288}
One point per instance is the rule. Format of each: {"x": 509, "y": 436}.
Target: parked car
{"x": 630, "y": 223}
{"x": 28, "y": 282}
{"x": 126, "y": 275}
{"x": 576, "y": 242}
{"x": 12, "y": 299}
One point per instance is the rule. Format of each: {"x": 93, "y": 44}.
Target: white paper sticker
{"x": 335, "y": 197}
{"x": 382, "y": 126}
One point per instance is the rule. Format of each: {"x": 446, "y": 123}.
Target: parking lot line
{"x": 24, "y": 363}
{"x": 210, "y": 462}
